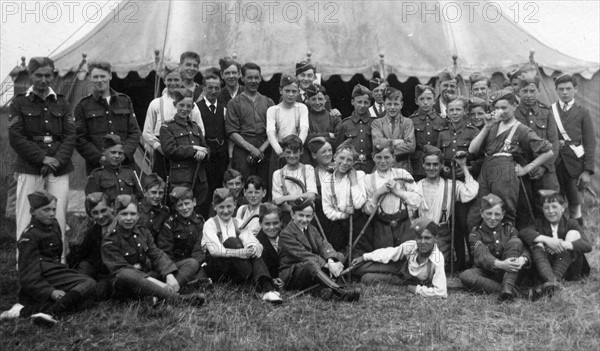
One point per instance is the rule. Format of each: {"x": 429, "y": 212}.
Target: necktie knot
{"x": 212, "y": 108}
{"x": 565, "y": 106}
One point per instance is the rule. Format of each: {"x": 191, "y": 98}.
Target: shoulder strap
{"x": 235, "y": 226}
{"x": 219, "y": 231}
{"x": 297, "y": 117}
{"x": 317, "y": 180}
{"x": 445, "y": 202}
{"x": 511, "y": 134}
{"x": 559, "y": 124}
{"x": 283, "y": 187}
{"x": 304, "y": 176}
{"x": 333, "y": 194}
{"x": 277, "y": 108}
{"x": 162, "y": 110}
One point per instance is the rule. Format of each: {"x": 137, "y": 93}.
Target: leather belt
{"x": 46, "y": 139}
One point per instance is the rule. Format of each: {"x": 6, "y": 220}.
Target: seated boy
{"x": 181, "y": 236}
{"x": 557, "y": 244}
{"x": 139, "y": 268}
{"x": 294, "y": 180}
{"x": 86, "y": 258}
{"x": 235, "y": 253}
{"x": 247, "y": 215}
{"x": 418, "y": 264}
{"x": 307, "y": 258}
{"x": 268, "y": 236}
{"x": 234, "y": 181}
{"x": 153, "y": 213}
{"x": 47, "y": 285}
{"x": 498, "y": 253}
{"x": 112, "y": 178}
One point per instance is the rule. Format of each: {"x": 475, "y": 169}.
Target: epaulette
{"x": 543, "y": 106}
{"x": 21, "y": 94}
{"x": 469, "y": 125}
{"x": 27, "y": 228}
{"x": 96, "y": 169}
{"x": 414, "y": 114}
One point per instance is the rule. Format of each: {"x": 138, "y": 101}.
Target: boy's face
{"x": 448, "y": 88}
{"x": 154, "y": 195}
{"x": 251, "y": 80}
{"x": 292, "y": 157}
{"x": 506, "y": 108}
{"x": 425, "y": 101}
{"x": 114, "y": 155}
{"x": 189, "y": 68}
{"x": 306, "y": 78}
{"x": 101, "y": 80}
{"x": 173, "y": 81}
{"x": 212, "y": 87}
{"x": 235, "y": 185}
{"x": 271, "y": 225}
{"x": 529, "y": 94}
{"x": 432, "y": 166}
{"x": 304, "y": 217}
{"x": 456, "y": 111}
{"x": 480, "y": 89}
{"x": 225, "y": 209}
{"x": 477, "y": 116}
{"x": 102, "y": 214}
{"x": 492, "y": 217}
{"x": 393, "y": 107}
{"x": 185, "y": 207}
{"x": 553, "y": 211}
{"x": 344, "y": 161}
{"x": 128, "y": 217}
{"x": 425, "y": 242}
{"x": 378, "y": 93}
{"x": 45, "y": 214}
{"x": 566, "y": 91}
{"x": 184, "y": 107}
{"x": 290, "y": 93}
{"x": 361, "y": 104}
{"x": 383, "y": 160}
{"x": 317, "y": 102}
{"x": 253, "y": 195}
{"x": 231, "y": 75}
{"x": 324, "y": 155}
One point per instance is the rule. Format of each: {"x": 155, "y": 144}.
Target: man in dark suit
{"x": 575, "y": 161}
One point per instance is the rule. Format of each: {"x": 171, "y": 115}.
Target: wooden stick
{"x": 304, "y": 291}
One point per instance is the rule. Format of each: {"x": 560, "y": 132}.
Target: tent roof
{"x": 344, "y": 38}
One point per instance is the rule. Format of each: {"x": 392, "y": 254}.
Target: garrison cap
{"x": 504, "y": 94}
{"x": 220, "y": 195}
{"x": 490, "y": 200}
{"x": 314, "y": 89}
{"x": 122, "y": 201}
{"x": 421, "y": 88}
{"x": 227, "y": 62}
{"x": 40, "y": 199}
{"x": 526, "y": 81}
{"x": 301, "y": 203}
{"x": 179, "y": 193}
{"x": 315, "y": 144}
{"x": 304, "y": 66}
{"x": 446, "y": 75}
{"x": 151, "y": 180}
{"x": 475, "y": 101}
{"x": 478, "y": 77}
{"x": 37, "y": 62}
{"x": 286, "y": 80}
{"x": 347, "y": 144}
{"x": 376, "y": 82}
{"x": 421, "y": 224}
{"x": 429, "y": 150}
{"x": 360, "y": 90}
{"x": 110, "y": 140}
{"x": 93, "y": 199}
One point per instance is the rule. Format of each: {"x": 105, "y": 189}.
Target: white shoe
{"x": 273, "y": 297}
{"x": 43, "y": 319}
{"x": 13, "y": 313}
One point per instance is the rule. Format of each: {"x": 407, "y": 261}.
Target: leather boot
{"x": 477, "y": 283}
{"x": 562, "y": 263}
{"x": 540, "y": 258}
{"x": 508, "y": 287}
{"x": 66, "y": 303}
{"x": 339, "y": 292}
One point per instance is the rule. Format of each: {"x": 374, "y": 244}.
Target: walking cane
{"x": 524, "y": 189}
{"x": 195, "y": 175}
{"x": 453, "y": 216}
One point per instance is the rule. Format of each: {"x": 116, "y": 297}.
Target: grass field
{"x": 385, "y": 318}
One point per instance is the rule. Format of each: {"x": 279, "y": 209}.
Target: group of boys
{"x": 517, "y": 153}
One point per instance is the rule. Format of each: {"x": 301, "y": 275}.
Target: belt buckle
{"x": 561, "y": 143}
{"x": 47, "y": 139}
{"x": 393, "y": 223}
{"x": 362, "y": 158}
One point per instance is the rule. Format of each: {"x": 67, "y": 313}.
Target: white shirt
{"x": 243, "y": 213}
{"x": 211, "y": 242}
{"x": 379, "y": 107}
{"x": 282, "y": 121}
{"x": 335, "y": 211}
{"x": 569, "y": 105}
{"x": 432, "y": 207}
{"x": 390, "y": 203}
{"x": 154, "y": 120}
{"x": 293, "y": 188}
{"x": 409, "y": 250}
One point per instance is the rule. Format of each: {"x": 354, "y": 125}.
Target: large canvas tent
{"x": 348, "y": 41}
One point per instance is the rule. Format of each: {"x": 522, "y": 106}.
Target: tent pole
{"x": 156, "y": 75}
{"x": 539, "y": 72}
{"x": 79, "y": 69}
{"x": 382, "y": 65}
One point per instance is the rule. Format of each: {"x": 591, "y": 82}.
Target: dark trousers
{"x": 339, "y": 233}
{"x": 215, "y": 167}
{"x": 160, "y": 165}
{"x": 65, "y": 279}
{"x": 186, "y": 270}
{"x": 131, "y": 282}
{"x": 461, "y": 234}
{"x": 300, "y": 275}
{"x": 239, "y": 162}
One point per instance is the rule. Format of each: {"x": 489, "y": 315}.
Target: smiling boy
{"x": 254, "y": 192}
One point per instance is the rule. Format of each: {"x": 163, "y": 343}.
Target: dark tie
{"x": 565, "y": 107}
{"x": 212, "y": 108}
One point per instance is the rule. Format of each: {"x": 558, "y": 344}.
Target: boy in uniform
{"x": 153, "y": 213}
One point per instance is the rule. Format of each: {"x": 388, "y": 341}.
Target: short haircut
{"x": 211, "y": 75}
{"x": 525, "y": 82}
{"x": 294, "y": 144}
{"x": 181, "y": 94}
{"x": 460, "y": 99}
{"x": 256, "y": 181}
{"x": 394, "y": 95}
{"x": 267, "y": 209}
{"x": 103, "y": 65}
{"x": 345, "y": 147}
{"x": 553, "y": 197}
{"x": 565, "y": 78}
{"x": 231, "y": 174}
{"x": 250, "y": 65}
{"x": 187, "y": 194}
{"x": 511, "y": 98}
{"x": 189, "y": 54}
{"x": 473, "y": 104}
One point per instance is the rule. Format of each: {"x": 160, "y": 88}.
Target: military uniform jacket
{"x": 40, "y": 249}
{"x": 181, "y": 238}
{"x": 451, "y": 140}
{"x": 94, "y": 118}
{"x": 89, "y": 251}
{"x": 539, "y": 118}
{"x": 38, "y": 128}
{"x": 153, "y": 217}
{"x": 358, "y": 129}
{"x": 178, "y": 137}
{"x": 297, "y": 246}
{"x": 542, "y": 227}
{"x": 427, "y": 127}
{"x": 113, "y": 182}
{"x": 134, "y": 249}
{"x": 488, "y": 244}
{"x": 578, "y": 125}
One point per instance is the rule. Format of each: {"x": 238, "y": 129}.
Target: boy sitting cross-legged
{"x": 235, "y": 253}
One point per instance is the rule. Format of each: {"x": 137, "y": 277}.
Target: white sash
{"x": 578, "y": 150}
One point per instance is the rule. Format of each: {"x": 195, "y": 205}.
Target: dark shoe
{"x": 325, "y": 294}
{"x": 550, "y": 288}
{"x": 43, "y": 319}
{"x": 347, "y": 295}
{"x": 507, "y": 295}
{"x": 195, "y": 299}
